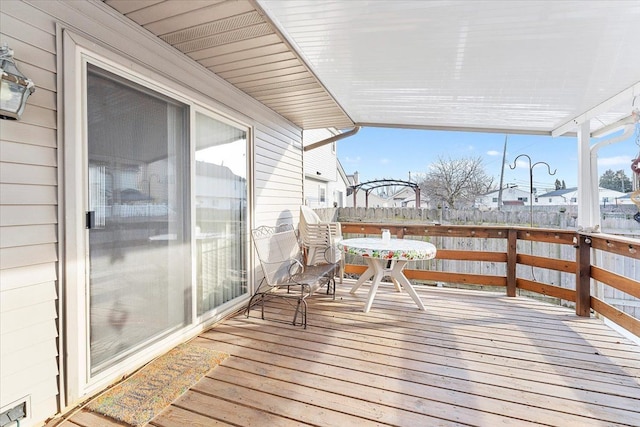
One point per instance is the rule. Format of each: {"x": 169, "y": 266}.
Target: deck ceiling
{"x": 535, "y": 67}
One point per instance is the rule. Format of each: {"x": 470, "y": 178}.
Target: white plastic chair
{"x": 317, "y": 235}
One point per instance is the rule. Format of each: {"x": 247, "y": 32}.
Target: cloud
{"x": 522, "y": 164}
{"x": 352, "y": 159}
{"x": 384, "y": 161}
{"x": 493, "y": 153}
{"x": 615, "y": 161}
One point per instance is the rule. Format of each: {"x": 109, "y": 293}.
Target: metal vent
{"x": 15, "y": 412}
{"x": 215, "y": 27}
{"x": 225, "y": 38}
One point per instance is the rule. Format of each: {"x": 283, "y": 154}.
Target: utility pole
{"x": 504, "y": 159}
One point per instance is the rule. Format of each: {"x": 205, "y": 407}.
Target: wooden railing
{"x": 585, "y": 245}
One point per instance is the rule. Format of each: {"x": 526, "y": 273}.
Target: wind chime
{"x": 635, "y": 167}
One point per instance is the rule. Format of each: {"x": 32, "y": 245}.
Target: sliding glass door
{"x": 137, "y": 145}
{"x": 167, "y": 215}
{"x": 221, "y": 211}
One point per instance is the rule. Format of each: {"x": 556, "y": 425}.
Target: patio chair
{"x": 317, "y": 235}
{"x": 285, "y": 276}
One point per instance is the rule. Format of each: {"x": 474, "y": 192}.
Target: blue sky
{"x": 378, "y": 153}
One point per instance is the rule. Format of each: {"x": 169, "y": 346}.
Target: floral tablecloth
{"x": 399, "y": 249}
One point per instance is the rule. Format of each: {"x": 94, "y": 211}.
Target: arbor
{"x": 456, "y": 181}
{"x": 617, "y": 181}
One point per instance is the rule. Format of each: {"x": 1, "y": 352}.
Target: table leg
{"x": 369, "y": 272}
{"x": 396, "y": 273}
{"x": 378, "y": 265}
{"x": 392, "y": 265}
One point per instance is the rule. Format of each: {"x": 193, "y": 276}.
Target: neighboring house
{"x": 130, "y": 184}
{"x": 342, "y": 186}
{"x": 324, "y": 187}
{"x": 405, "y": 197}
{"x": 511, "y": 196}
{"x": 375, "y": 201}
{"x": 569, "y": 197}
{"x": 561, "y": 197}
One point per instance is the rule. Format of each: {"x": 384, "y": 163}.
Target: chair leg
{"x": 304, "y": 313}
{"x": 331, "y": 286}
{"x": 295, "y": 315}
{"x": 250, "y": 304}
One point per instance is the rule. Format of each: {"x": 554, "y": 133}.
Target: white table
{"x": 388, "y": 259}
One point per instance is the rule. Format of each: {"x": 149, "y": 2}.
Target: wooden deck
{"x": 472, "y": 358}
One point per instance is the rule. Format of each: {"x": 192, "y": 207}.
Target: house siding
{"x": 31, "y": 232}
{"x": 320, "y": 169}
{"x": 321, "y": 159}
{"x": 29, "y": 223}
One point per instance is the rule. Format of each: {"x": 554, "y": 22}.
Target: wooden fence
{"x": 548, "y": 262}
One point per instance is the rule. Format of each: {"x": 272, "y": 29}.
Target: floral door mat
{"x": 145, "y": 394}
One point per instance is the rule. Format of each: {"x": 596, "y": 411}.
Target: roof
{"x": 558, "y": 193}
{"x": 563, "y": 192}
{"x": 534, "y": 67}
{"x": 505, "y": 190}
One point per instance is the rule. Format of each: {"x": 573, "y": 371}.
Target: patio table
{"x": 387, "y": 258}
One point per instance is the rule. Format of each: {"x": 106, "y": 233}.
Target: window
{"x": 322, "y": 194}
{"x": 574, "y": 200}
{"x": 494, "y": 200}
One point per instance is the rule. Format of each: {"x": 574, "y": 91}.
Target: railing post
{"x": 583, "y": 276}
{"x": 512, "y": 254}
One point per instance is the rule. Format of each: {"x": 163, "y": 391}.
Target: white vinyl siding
{"x": 28, "y": 222}
{"x": 321, "y": 159}
{"x": 278, "y": 176}
{"x": 30, "y": 236}
{"x": 320, "y": 170}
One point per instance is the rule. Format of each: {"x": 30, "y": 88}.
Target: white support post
{"x": 588, "y": 198}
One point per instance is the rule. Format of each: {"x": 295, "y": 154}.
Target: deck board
{"x": 473, "y": 358}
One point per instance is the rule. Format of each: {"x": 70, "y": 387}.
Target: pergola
{"x": 369, "y": 186}
{"x": 528, "y": 67}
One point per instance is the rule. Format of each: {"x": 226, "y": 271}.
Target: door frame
{"x": 74, "y": 318}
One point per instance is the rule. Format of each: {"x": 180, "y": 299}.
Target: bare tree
{"x": 456, "y": 182}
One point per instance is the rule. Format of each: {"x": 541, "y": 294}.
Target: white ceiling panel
{"x": 518, "y": 66}
{"x": 523, "y": 66}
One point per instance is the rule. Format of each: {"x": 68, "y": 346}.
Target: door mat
{"x": 144, "y": 395}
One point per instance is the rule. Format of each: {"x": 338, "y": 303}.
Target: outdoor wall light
{"x": 15, "y": 87}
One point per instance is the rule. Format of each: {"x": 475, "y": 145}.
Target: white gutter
{"x": 629, "y": 129}
{"x": 332, "y": 139}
